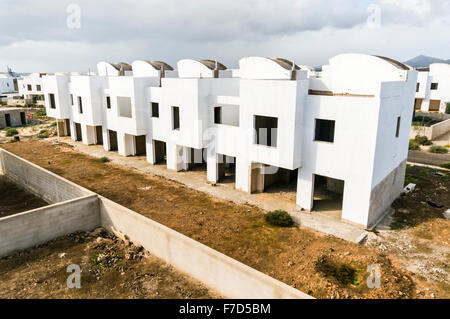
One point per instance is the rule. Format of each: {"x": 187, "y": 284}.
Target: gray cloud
{"x": 308, "y": 31}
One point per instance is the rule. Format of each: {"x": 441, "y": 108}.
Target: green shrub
{"x": 446, "y": 165}
{"x": 343, "y": 272}
{"x": 11, "y": 131}
{"x": 279, "y": 218}
{"x": 413, "y": 145}
{"x": 423, "y": 140}
{"x": 41, "y": 112}
{"x": 104, "y": 159}
{"x": 447, "y": 108}
{"x": 43, "y": 134}
{"x": 437, "y": 149}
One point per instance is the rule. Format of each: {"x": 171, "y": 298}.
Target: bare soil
{"x": 299, "y": 257}
{"x": 110, "y": 268}
{"x": 14, "y": 199}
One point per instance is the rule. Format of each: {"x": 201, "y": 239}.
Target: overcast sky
{"x": 44, "y": 35}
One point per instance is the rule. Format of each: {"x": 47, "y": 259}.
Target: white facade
{"x": 433, "y": 88}
{"x": 6, "y": 84}
{"x": 31, "y": 87}
{"x": 272, "y": 120}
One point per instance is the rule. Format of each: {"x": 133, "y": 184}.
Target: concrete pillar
{"x": 425, "y": 105}
{"x": 212, "y": 172}
{"x": 174, "y": 156}
{"x": 106, "y": 142}
{"x": 88, "y": 134}
{"x": 60, "y": 128}
{"x": 243, "y": 173}
{"x": 150, "y": 149}
{"x": 73, "y": 130}
{"x": 305, "y": 189}
{"x": 185, "y": 158}
{"x": 125, "y": 144}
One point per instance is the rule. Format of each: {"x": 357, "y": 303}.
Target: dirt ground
{"x": 14, "y": 199}
{"x": 312, "y": 262}
{"x": 109, "y": 267}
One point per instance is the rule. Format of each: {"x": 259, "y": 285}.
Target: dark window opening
{"x": 80, "y": 105}
{"x": 266, "y": 130}
{"x": 52, "y": 101}
{"x": 324, "y": 130}
{"x": 397, "y": 132}
{"x": 23, "y": 118}
{"x": 217, "y": 115}
{"x": 175, "y": 118}
{"x": 155, "y": 109}
{"x": 29, "y": 87}
{"x": 71, "y": 99}
{"x": 108, "y": 102}
{"x": 434, "y": 86}
{"x": 38, "y": 87}
{"x": 417, "y": 87}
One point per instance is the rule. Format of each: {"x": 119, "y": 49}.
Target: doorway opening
{"x": 328, "y": 195}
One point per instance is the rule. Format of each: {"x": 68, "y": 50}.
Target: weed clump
{"x": 104, "y": 159}
{"x": 11, "y": 131}
{"x": 446, "y": 165}
{"x": 413, "y": 145}
{"x": 342, "y": 272}
{"x": 437, "y": 149}
{"x": 43, "y": 134}
{"x": 423, "y": 140}
{"x": 279, "y": 218}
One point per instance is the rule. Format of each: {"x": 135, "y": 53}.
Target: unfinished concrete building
{"x": 339, "y": 135}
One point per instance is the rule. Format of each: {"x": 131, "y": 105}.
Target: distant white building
{"x": 341, "y": 135}
{"x": 6, "y": 84}
{"x": 433, "y": 88}
{"x": 30, "y": 87}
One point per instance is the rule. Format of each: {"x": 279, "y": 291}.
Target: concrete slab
{"x": 197, "y": 180}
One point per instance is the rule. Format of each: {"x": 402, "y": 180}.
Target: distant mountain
{"x": 423, "y": 61}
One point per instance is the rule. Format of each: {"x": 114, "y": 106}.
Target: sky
{"x": 60, "y": 35}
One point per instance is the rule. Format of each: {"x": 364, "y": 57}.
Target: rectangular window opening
{"x": 108, "y": 102}
{"x": 397, "y": 132}
{"x": 324, "y": 131}
{"x": 155, "y": 109}
{"x": 266, "y": 130}
{"x": 175, "y": 118}
{"x": 217, "y": 115}
{"x": 80, "y": 105}
{"x": 52, "y": 101}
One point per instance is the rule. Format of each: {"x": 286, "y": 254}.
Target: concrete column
{"x": 125, "y": 144}
{"x": 150, "y": 148}
{"x": 73, "y": 130}
{"x": 60, "y": 128}
{"x": 243, "y": 173}
{"x": 174, "y": 156}
{"x": 106, "y": 142}
{"x": 305, "y": 189}
{"x": 425, "y": 105}
{"x": 212, "y": 172}
{"x": 185, "y": 158}
{"x": 88, "y": 134}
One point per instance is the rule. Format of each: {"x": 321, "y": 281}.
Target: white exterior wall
{"x": 34, "y": 80}
{"x": 59, "y": 86}
{"x": 6, "y": 84}
{"x": 439, "y": 73}
{"x": 370, "y": 93}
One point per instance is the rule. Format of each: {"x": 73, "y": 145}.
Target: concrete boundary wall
{"x": 225, "y": 275}
{"x": 37, "y": 226}
{"x": 41, "y": 182}
{"x": 432, "y": 132}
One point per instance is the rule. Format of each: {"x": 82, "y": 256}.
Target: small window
{"x": 417, "y": 87}
{"x": 108, "y": 102}
{"x": 175, "y": 118}
{"x": 29, "y": 87}
{"x": 324, "y": 131}
{"x": 80, "y": 105}
{"x": 7, "y": 84}
{"x": 434, "y": 86}
{"x": 266, "y": 130}
{"x": 397, "y": 132}
{"x": 217, "y": 115}
{"x": 155, "y": 109}
{"x": 52, "y": 100}
{"x": 71, "y": 99}
{"x": 38, "y": 87}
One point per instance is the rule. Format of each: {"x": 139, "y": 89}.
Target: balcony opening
{"x": 226, "y": 115}
{"x": 266, "y": 130}
{"x": 124, "y": 106}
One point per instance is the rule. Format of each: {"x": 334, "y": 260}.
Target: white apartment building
{"x": 341, "y": 134}
{"x": 31, "y": 88}
{"x": 433, "y": 88}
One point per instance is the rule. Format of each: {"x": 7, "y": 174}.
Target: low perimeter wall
{"x": 225, "y": 275}
{"x": 431, "y": 132}
{"x": 44, "y": 184}
{"x": 40, "y": 225}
